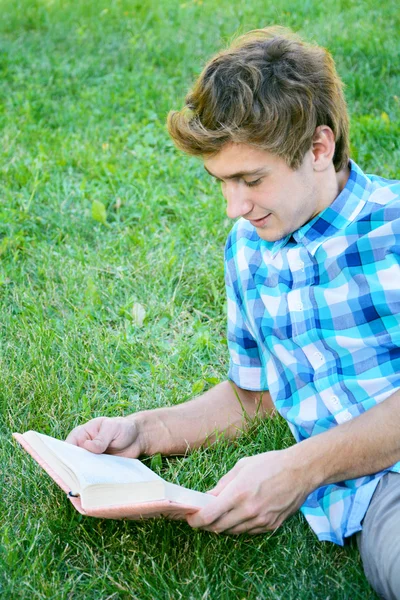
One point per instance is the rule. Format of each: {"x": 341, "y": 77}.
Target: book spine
{"x": 26, "y": 446}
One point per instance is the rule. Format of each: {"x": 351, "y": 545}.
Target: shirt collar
{"x": 343, "y": 210}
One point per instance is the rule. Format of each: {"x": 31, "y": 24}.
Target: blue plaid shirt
{"x": 315, "y": 319}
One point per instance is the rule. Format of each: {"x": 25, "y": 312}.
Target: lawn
{"x": 102, "y": 223}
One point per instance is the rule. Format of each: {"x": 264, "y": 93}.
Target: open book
{"x": 106, "y": 486}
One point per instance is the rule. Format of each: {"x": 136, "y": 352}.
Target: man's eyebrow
{"x": 259, "y": 171}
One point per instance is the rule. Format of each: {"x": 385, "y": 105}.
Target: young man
{"x": 312, "y": 277}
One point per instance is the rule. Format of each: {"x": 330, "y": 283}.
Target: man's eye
{"x": 253, "y": 183}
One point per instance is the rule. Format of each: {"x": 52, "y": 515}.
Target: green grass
{"x": 85, "y": 88}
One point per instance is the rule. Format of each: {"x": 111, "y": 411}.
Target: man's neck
{"x": 330, "y": 185}
{"x": 342, "y": 178}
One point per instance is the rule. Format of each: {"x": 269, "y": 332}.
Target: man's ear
{"x": 323, "y": 147}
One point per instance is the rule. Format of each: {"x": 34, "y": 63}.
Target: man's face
{"x": 260, "y": 187}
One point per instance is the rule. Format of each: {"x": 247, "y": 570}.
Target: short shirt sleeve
{"x": 246, "y": 367}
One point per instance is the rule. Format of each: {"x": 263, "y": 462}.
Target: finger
{"x": 221, "y": 485}
{"x": 134, "y": 450}
{"x": 102, "y": 437}
{"x": 234, "y": 521}
{"x": 79, "y": 435}
{"x": 258, "y": 530}
{"x": 224, "y": 481}
{"x": 84, "y": 435}
{"x": 72, "y": 437}
{"x": 249, "y": 526}
{"x": 269, "y": 528}
{"x": 211, "y": 513}
{"x": 176, "y": 516}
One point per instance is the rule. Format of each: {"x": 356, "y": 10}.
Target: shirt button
{"x": 300, "y": 306}
{"x": 347, "y": 417}
{"x": 335, "y": 401}
{"x": 300, "y": 265}
{"x": 318, "y": 356}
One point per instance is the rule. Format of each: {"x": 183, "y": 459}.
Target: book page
{"x": 183, "y": 495}
{"x": 91, "y": 469}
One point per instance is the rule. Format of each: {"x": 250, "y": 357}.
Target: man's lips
{"x": 260, "y": 222}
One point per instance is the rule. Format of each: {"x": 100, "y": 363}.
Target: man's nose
{"x": 237, "y": 199}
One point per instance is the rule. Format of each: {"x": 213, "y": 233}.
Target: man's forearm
{"x": 225, "y": 409}
{"x": 367, "y": 444}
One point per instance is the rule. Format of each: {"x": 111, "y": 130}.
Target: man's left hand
{"x": 257, "y": 495}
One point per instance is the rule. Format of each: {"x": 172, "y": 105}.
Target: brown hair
{"x": 270, "y": 90}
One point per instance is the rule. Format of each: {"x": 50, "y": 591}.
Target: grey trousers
{"x": 379, "y": 541}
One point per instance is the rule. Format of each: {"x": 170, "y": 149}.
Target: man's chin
{"x": 269, "y": 235}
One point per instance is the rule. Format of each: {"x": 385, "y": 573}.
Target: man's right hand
{"x": 117, "y": 435}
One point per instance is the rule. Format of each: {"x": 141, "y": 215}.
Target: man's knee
{"x": 379, "y": 542}
{"x": 381, "y": 561}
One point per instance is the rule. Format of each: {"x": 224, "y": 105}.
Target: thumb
{"x": 222, "y": 483}
{"x": 102, "y": 438}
